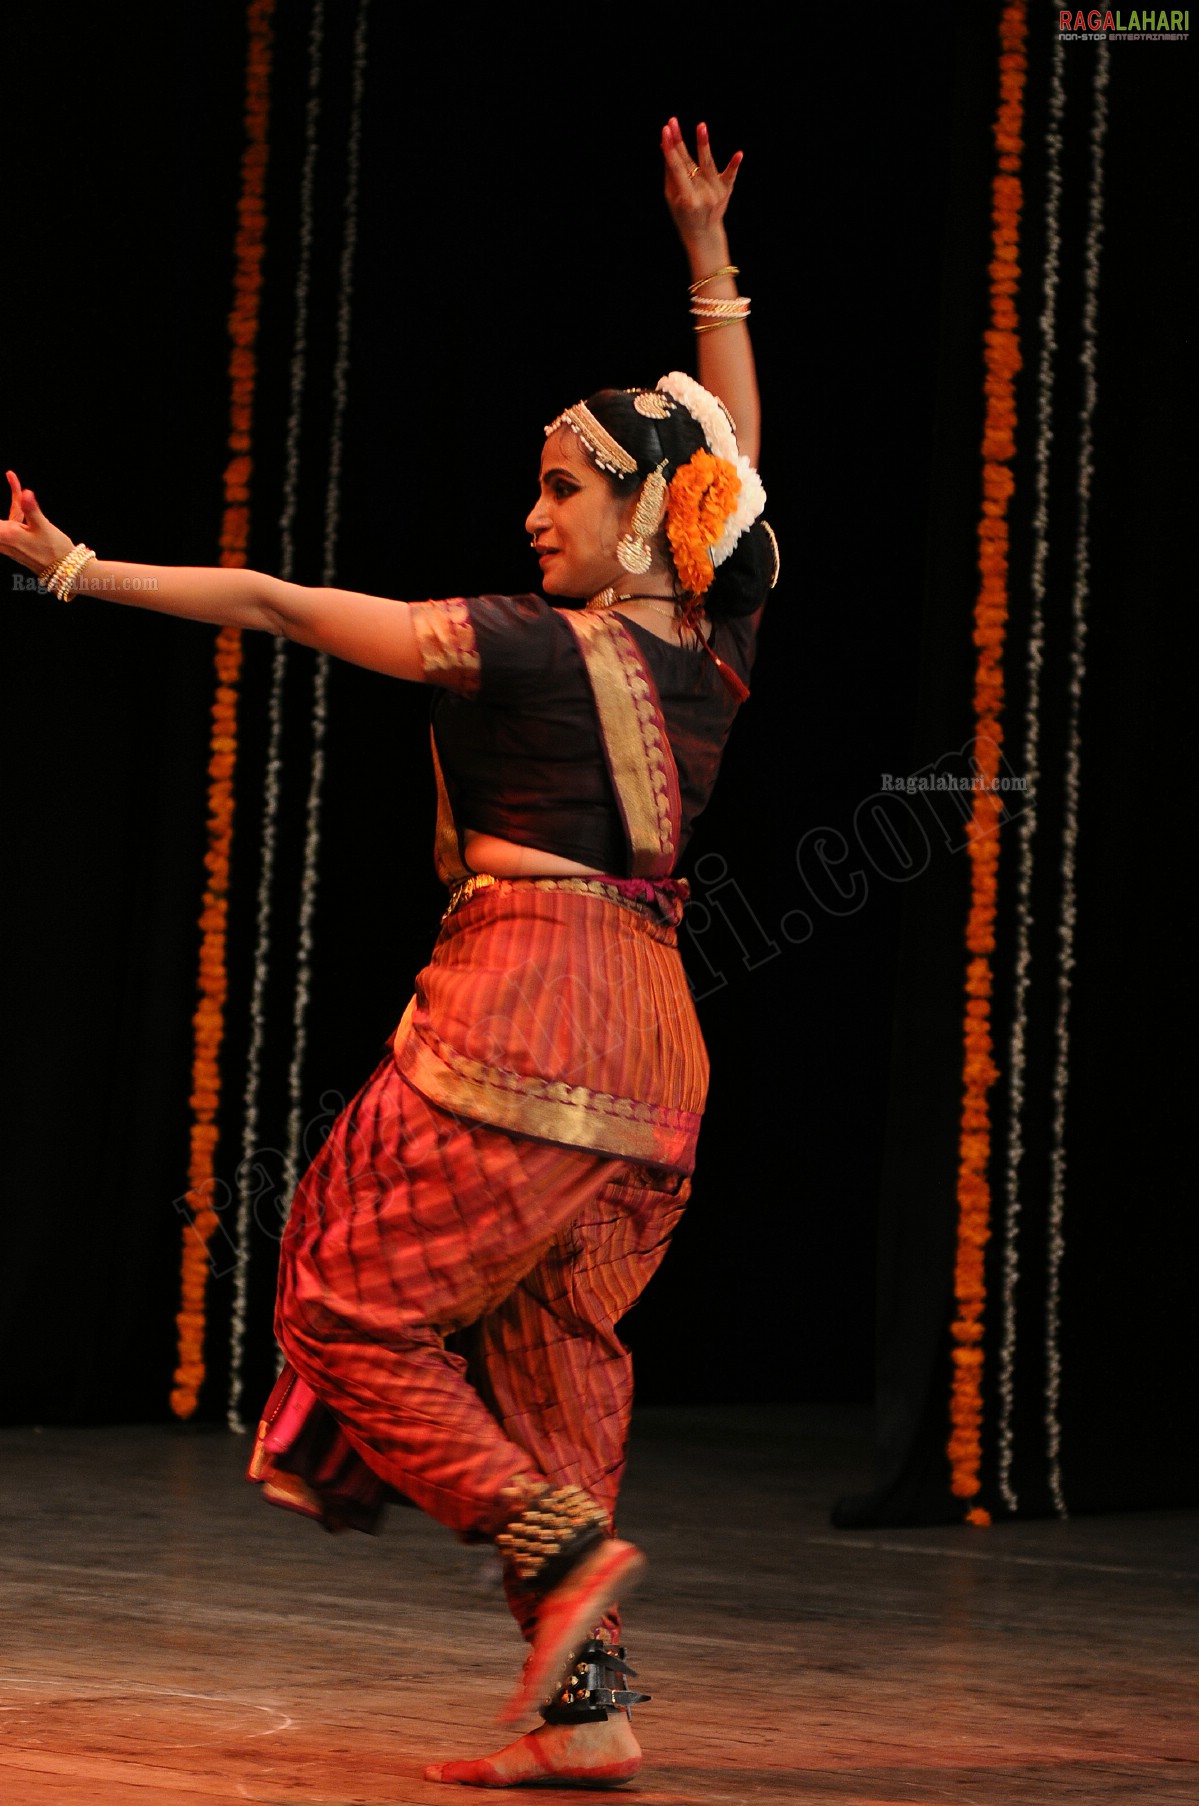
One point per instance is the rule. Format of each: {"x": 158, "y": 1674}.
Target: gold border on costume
{"x": 533, "y": 988}
{"x": 450, "y": 866}
{"x": 448, "y": 648}
{"x": 640, "y": 762}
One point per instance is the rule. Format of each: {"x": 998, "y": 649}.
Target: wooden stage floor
{"x": 170, "y": 1640}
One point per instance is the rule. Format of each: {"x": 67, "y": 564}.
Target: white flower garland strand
{"x": 249, "y": 1167}
{"x": 1069, "y": 903}
{"x": 1017, "y": 1042}
{"x": 715, "y": 422}
{"x": 312, "y": 838}
{"x": 709, "y": 413}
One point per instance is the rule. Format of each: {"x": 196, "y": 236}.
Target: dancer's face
{"x": 577, "y": 521}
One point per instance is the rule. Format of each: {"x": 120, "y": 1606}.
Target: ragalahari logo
{"x": 1150, "y": 23}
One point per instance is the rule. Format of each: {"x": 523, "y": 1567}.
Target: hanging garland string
{"x": 308, "y": 886}
{"x": 1031, "y": 767}
{"x": 249, "y": 1164}
{"x": 1073, "y": 776}
{"x": 979, "y": 1072}
{"x": 209, "y": 1018}
{"x": 312, "y": 836}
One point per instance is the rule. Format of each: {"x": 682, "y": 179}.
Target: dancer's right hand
{"x": 27, "y": 536}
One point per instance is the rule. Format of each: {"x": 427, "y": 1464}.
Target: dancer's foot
{"x": 565, "y": 1618}
{"x": 600, "y": 1754}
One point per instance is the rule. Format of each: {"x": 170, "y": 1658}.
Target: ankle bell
{"x": 593, "y": 1687}
{"x": 550, "y": 1533}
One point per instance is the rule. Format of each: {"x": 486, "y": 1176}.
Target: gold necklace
{"x": 660, "y": 603}
{"x": 609, "y": 598}
{"x": 669, "y": 608}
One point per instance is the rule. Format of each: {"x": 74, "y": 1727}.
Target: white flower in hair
{"x": 709, "y": 414}
{"x": 712, "y": 417}
{"x": 751, "y": 500}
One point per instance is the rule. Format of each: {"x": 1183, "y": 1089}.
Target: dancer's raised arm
{"x": 697, "y": 193}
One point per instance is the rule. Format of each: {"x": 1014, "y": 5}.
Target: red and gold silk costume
{"x": 510, "y": 1175}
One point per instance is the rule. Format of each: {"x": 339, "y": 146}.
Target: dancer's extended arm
{"x": 367, "y": 630}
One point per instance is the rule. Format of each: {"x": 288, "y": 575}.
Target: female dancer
{"x": 511, "y": 1173}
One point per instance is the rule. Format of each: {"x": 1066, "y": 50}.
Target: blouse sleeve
{"x": 495, "y": 649}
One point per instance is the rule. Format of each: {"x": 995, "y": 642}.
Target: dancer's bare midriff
{"x": 504, "y": 859}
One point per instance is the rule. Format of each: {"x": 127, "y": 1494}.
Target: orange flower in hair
{"x": 702, "y": 496}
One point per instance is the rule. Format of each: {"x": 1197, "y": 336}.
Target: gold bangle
{"x": 72, "y": 588}
{"x": 60, "y": 578}
{"x": 715, "y": 325}
{"x": 709, "y": 307}
{"x": 726, "y": 269}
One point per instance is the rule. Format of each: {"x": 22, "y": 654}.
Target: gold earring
{"x": 633, "y": 552}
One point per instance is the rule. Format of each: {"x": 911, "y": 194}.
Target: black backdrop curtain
{"x": 512, "y": 253}
{"x": 1088, "y": 1323}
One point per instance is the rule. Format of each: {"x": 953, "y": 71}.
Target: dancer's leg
{"x": 549, "y": 1360}
{"x": 553, "y": 1368}
{"x": 410, "y": 1225}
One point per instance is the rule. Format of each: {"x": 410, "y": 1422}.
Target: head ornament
{"x": 606, "y": 451}
{"x": 711, "y": 500}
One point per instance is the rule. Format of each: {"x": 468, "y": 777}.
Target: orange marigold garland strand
{"x": 209, "y": 1019}
{"x": 703, "y": 494}
{"x": 990, "y": 625}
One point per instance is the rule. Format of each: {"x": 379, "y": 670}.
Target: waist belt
{"x": 663, "y": 899}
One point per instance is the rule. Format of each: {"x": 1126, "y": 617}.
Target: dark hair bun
{"x": 744, "y": 580}
{"x": 675, "y": 437}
